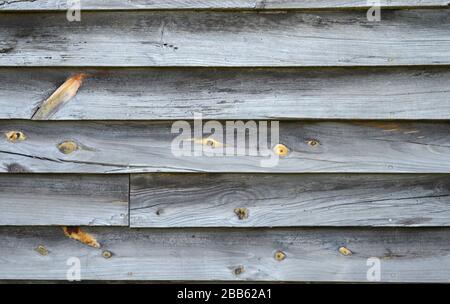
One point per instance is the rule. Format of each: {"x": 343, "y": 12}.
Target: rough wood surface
{"x": 407, "y": 255}
{"x": 404, "y": 37}
{"x": 63, "y": 200}
{"x": 132, "y": 147}
{"x": 270, "y": 200}
{"x": 24, "y": 5}
{"x": 159, "y": 93}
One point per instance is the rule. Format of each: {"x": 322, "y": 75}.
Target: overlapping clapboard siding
{"x": 270, "y": 93}
{"x": 406, "y": 255}
{"x": 209, "y": 39}
{"x": 212, "y": 4}
{"x": 270, "y": 200}
{"x": 135, "y": 147}
{"x": 91, "y": 200}
{"x": 364, "y": 111}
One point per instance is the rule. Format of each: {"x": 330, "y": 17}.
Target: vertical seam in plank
{"x": 129, "y": 200}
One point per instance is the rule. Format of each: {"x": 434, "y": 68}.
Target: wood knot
{"x": 313, "y": 142}
{"x": 68, "y": 147}
{"x": 281, "y": 150}
{"x": 239, "y": 270}
{"x": 242, "y": 213}
{"x": 107, "y": 254}
{"x": 280, "y": 255}
{"x": 345, "y": 251}
{"x": 14, "y": 136}
{"x": 209, "y": 142}
{"x": 42, "y": 250}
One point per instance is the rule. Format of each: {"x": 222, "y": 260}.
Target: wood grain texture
{"x": 408, "y": 255}
{"x": 133, "y": 147}
{"x": 33, "y": 5}
{"x": 294, "y": 93}
{"x": 63, "y": 200}
{"x": 404, "y": 37}
{"x": 271, "y": 200}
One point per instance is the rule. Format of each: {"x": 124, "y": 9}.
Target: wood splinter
{"x": 77, "y": 234}
{"x": 61, "y": 96}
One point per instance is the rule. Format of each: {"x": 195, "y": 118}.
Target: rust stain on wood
{"x": 77, "y": 234}
{"x": 61, "y": 96}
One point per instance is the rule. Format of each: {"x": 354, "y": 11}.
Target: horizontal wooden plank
{"x": 64, "y": 200}
{"x": 271, "y": 200}
{"x": 160, "y": 93}
{"x": 408, "y": 255}
{"x": 180, "y": 38}
{"x": 33, "y": 5}
{"x": 133, "y": 147}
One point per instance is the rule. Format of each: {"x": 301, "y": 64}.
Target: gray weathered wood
{"x": 407, "y": 255}
{"x": 118, "y": 147}
{"x": 404, "y": 37}
{"x": 211, "y": 200}
{"x": 26, "y": 5}
{"x": 158, "y": 93}
{"x": 63, "y": 200}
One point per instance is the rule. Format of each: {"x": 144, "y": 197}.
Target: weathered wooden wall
{"x": 364, "y": 111}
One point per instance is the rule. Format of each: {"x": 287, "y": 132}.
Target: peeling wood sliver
{"x": 77, "y": 234}
{"x": 61, "y": 96}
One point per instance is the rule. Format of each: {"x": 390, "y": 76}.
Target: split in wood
{"x": 14, "y": 136}
{"x": 68, "y": 147}
{"x": 42, "y": 250}
{"x": 280, "y": 255}
{"x": 77, "y": 234}
{"x": 281, "y": 150}
{"x": 242, "y": 213}
{"x": 61, "y": 96}
{"x": 345, "y": 251}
